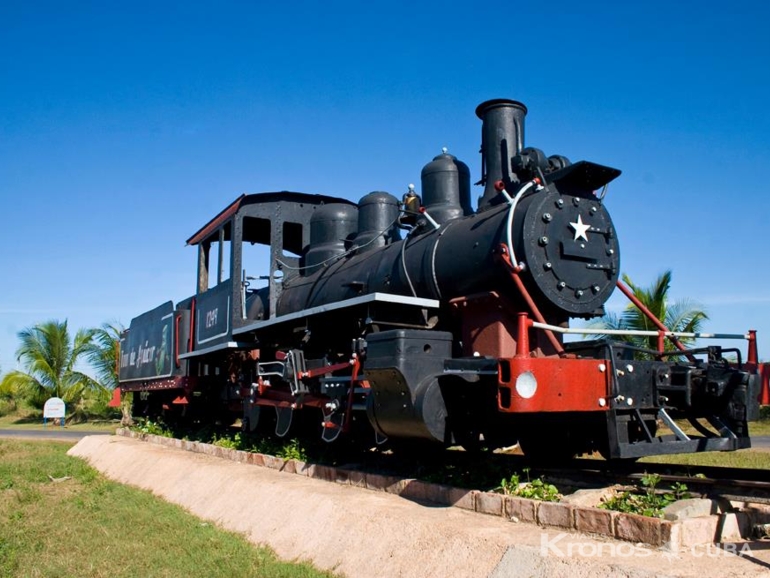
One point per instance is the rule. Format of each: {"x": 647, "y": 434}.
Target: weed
{"x": 157, "y": 428}
{"x": 535, "y": 489}
{"x": 646, "y": 499}
{"x": 234, "y": 443}
{"x": 293, "y": 450}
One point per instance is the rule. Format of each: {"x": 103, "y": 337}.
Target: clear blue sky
{"x": 125, "y": 126}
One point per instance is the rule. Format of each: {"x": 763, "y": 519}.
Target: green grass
{"x": 90, "y": 526}
{"x": 737, "y": 459}
{"x": 33, "y": 420}
{"x": 759, "y": 428}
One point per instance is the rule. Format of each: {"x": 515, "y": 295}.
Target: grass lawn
{"x": 751, "y": 458}
{"x": 90, "y": 526}
{"x": 759, "y": 428}
{"x": 738, "y": 459}
{"x": 33, "y": 420}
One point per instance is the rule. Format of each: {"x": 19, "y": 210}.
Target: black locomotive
{"x": 422, "y": 319}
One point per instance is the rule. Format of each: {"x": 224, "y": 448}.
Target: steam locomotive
{"x": 421, "y": 318}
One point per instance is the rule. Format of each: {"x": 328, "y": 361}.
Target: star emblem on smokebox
{"x": 580, "y": 229}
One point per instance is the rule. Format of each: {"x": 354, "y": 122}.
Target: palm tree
{"x": 683, "y": 315}
{"x": 103, "y": 357}
{"x": 102, "y": 353}
{"x": 7, "y": 396}
{"x": 49, "y": 358}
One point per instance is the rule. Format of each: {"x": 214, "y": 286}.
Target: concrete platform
{"x": 357, "y": 532}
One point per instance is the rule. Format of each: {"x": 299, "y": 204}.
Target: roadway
{"x": 50, "y": 433}
{"x": 760, "y": 442}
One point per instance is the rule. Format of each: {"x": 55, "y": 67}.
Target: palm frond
{"x": 686, "y": 315}
{"x": 48, "y": 357}
{"x": 102, "y": 353}
{"x": 683, "y": 315}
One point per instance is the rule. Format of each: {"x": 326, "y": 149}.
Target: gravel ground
{"x": 357, "y": 532}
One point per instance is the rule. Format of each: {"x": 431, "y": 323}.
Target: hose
{"x": 509, "y": 223}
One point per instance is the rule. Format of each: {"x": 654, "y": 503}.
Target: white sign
{"x": 53, "y": 408}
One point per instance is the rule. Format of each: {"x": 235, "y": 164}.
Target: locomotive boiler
{"x": 421, "y": 318}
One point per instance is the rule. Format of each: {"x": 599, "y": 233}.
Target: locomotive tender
{"x": 422, "y": 319}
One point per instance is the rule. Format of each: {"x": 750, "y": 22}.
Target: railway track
{"x": 734, "y": 484}
{"x": 485, "y": 472}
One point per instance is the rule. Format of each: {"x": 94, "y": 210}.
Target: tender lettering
{"x": 211, "y": 317}
{"x": 146, "y": 354}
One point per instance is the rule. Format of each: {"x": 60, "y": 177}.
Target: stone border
{"x": 628, "y": 527}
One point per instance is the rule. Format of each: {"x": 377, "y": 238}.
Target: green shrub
{"x": 7, "y": 406}
{"x": 646, "y": 499}
{"x": 535, "y": 489}
{"x": 293, "y": 450}
{"x": 157, "y": 428}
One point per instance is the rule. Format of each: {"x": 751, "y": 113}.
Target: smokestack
{"x": 502, "y": 137}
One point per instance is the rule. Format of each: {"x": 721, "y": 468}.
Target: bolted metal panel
{"x": 571, "y": 250}
{"x": 559, "y": 385}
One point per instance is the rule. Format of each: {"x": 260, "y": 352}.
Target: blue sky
{"x": 125, "y": 126}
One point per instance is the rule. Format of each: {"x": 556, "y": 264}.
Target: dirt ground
{"x": 357, "y": 532}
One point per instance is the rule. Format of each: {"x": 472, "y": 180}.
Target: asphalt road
{"x": 760, "y": 442}
{"x": 50, "y": 433}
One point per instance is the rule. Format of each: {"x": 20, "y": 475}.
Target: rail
{"x": 638, "y": 332}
